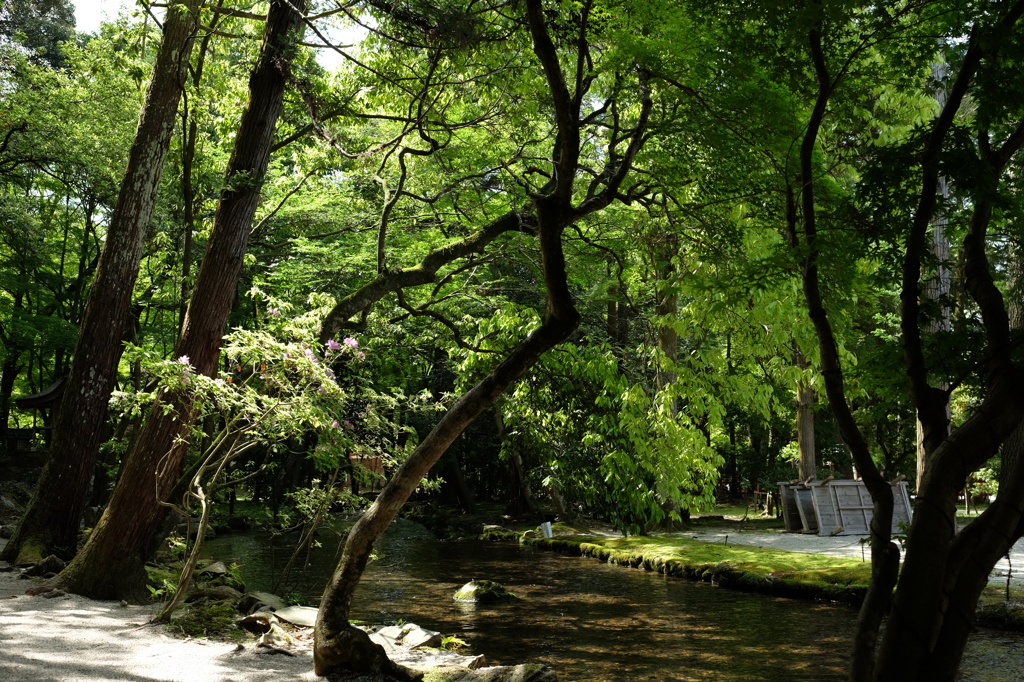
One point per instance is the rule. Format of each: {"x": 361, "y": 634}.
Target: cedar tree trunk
{"x": 51, "y": 521}
{"x": 111, "y": 565}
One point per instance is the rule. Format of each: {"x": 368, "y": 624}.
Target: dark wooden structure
{"x": 35, "y": 439}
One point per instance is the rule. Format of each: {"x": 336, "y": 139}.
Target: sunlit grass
{"x": 742, "y": 567}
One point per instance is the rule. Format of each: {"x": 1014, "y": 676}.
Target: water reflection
{"x": 588, "y": 620}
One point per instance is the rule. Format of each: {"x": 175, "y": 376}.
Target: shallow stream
{"x": 589, "y": 620}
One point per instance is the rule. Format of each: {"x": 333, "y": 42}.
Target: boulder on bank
{"x": 298, "y": 615}
{"x": 412, "y": 647}
{"x": 410, "y": 636}
{"x": 483, "y": 591}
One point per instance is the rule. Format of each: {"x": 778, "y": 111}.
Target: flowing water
{"x": 588, "y": 620}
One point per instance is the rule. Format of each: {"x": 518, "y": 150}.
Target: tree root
{"x": 353, "y": 650}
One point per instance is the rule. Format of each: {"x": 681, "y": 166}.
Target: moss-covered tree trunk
{"x": 110, "y": 566}
{"x": 50, "y": 523}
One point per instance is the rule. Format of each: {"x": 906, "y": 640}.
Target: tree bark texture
{"x": 50, "y": 523}
{"x": 110, "y": 566}
{"x": 338, "y": 645}
{"x": 935, "y": 289}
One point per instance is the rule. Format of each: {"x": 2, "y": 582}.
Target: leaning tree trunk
{"x": 50, "y": 523}
{"x": 110, "y": 566}
{"x": 337, "y": 644}
{"x": 340, "y": 645}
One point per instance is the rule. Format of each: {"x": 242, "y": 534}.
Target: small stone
{"x": 276, "y": 637}
{"x": 392, "y": 632}
{"x": 530, "y": 672}
{"x": 269, "y": 649}
{"x": 419, "y": 637}
{"x": 256, "y": 623}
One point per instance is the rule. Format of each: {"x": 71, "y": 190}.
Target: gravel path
{"x": 71, "y": 638}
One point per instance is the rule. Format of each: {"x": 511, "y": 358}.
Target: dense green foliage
{"x": 720, "y": 171}
{"x": 427, "y": 133}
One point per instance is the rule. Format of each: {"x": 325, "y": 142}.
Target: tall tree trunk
{"x": 190, "y": 134}
{"x": 1013, "y": 448}
{"x": 935, "y": 291}
{"x": 52, "y": 518}
{"x": 805, "y": 399}
{"x": 458, "y": 482}
{"x": 944, "y": 571}
{"x": 110, "y": 566}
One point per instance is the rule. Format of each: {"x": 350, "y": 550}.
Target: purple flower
{"x": 361, "y": 355}
{"x": 348, "y": 424}
{"x": 329, "y": 372}
{"x": 351, "y": 343}
{"x": 333, "y": 345}
{"x": 335, "y": 425}
{"x": 274, "y": 312}
{"x": 183, "y": 360}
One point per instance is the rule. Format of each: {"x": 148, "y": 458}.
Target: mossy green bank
{"x": 739, "y": 567}
{"x": 752, "y": 569}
